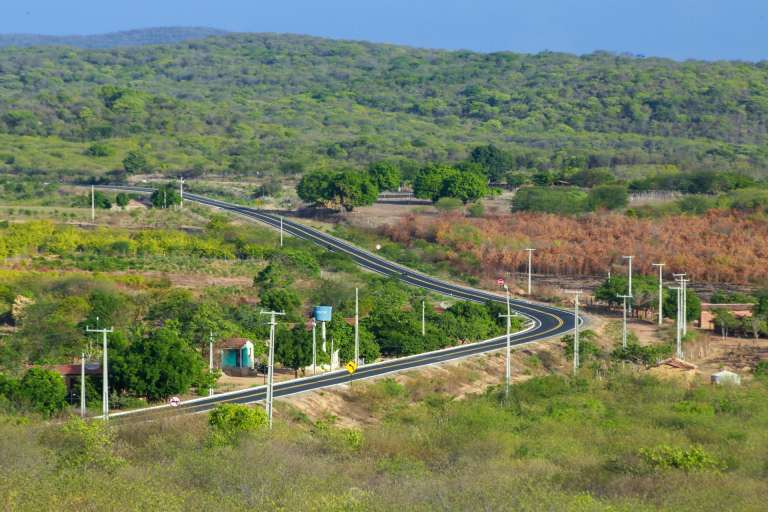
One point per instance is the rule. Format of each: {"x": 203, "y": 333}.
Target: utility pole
{"x": 357, "y": 328}
{"x": 83, "y": 411}
{"x": 423, "y": 319}
{"x": 624, "y": 330}
{"x": 678, "y": 341}
{"x": 314, "y": 347}
{"x": 680, "y": 278}
{"x": 210, "y": 359}
{"x": 661, "y": 292}
{"x": 271, "y": 361}
{"x": 281, "y": 231}
{"x": 181, "y": 192}
{"x": 105, "y": 374}
{"x": 93, "y": 204}
{"x": 629, "y": 273}
{"x": 577, "y": 294}
{"x": 530, "y": 267}
{"x": 508, "y": 367}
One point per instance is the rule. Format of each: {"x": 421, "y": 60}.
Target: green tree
{"x": 386, "y": 175}
{"x": 122, "y": 199}
{"x": 562, "y": 200}
{"x": 608, "y": 197}
{"x": 316, "y": 188}
{"x": 164, "y": 364}
{"x": 43, "y": 391}
{"x": 465, "y": 186}
{"x": 494, "y": 161}
{"x": 294, "y": 348}
{"x": 136, "y": 161}
{"x": 166, "y": 196}
{"x": 280, "y": 299}
{"x": 428, "y": 183}
{"x": 355, "y": 189}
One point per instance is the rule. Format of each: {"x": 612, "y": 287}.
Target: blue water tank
{"x": 322, "y": 313}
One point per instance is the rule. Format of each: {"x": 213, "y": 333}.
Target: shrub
{"x": 687, "y": 459}
{"x": 447, "y": 204}
{"x": 228, "y": 422}
{"x": 43, "y": 391}
{"x": 85, "y": 445}
{"x": 563, "y": 200}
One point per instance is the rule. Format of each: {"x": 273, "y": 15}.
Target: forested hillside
{"x": 139, "y": 37}
{"x": 278, "y": 103}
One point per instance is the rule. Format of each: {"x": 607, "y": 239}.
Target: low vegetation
{"x": 624, "y": 442}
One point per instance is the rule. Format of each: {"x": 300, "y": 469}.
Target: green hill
{"x": 248, "y": 103}
{"x": 139, "y": 37}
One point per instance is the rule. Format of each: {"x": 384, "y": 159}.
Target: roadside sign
{"x": 351, "y": 367}
{"x": 500, "y": 282}
{"x": 174, "y": 401}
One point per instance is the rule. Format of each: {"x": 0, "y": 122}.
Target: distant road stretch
{"x": 545, "y": 321}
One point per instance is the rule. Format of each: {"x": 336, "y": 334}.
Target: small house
{"x": 71, "y": 375}
{"x": 726, "y": 377}
{"x": 236, "y": 354}
{"x": 707, "y": 317}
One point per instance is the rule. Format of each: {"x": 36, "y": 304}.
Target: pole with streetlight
{"x": 105, "y": 374}
{"x": 210, "y": 359}
{"x": 661, "y": 290}
{"x": 271, "y": 360}
{"x": 576, "y": 294}
{"x": 357, "y": 328}
{"x": 508, "y": 364}
{"x": 530, "y": 267}
{"x": 624, "y": 323}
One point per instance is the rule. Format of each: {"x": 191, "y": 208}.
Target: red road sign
{"x": 500, "y": 282}
{"x": 174, "y": 401}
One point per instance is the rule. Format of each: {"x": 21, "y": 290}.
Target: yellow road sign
{"x": 351, "y": 367}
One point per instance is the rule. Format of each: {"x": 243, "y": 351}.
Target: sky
{"x": 679, "y": 29}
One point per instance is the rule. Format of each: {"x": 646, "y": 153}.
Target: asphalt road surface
{"x": 544, "y": 321}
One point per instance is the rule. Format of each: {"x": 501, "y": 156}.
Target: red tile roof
{"x": 233, "y": 343}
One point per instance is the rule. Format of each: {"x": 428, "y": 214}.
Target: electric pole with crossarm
{"x": 576, "y": 294}
{"x": 271, "y": 360}
{"x": 105, "y": 373}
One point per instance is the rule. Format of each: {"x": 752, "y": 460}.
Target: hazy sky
{"x": 707, "y": 29}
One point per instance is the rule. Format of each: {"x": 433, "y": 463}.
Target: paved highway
{"x": 545, "y": 321}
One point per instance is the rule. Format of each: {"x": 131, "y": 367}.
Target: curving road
{"x": 545, "y": 321}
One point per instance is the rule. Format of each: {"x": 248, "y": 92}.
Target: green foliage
{"x": 85, "y": 445}
{"x": 437, "y": 181}
{"x": 386, "y": 175}
{"x": 136, "y": 162}
{"x": 587, "y": 345}
{"x": 166, "y": 196}
{"x": 448, "y": 204}
{"x": 493, "y": 160}
{"x": 228, "y": 423}
{"x": 563, "y": 200}
{"x": 294, "y": 347}
{"x": 162, "y": 364}
{"x": 340, "y": 189}
{"x": 685, "y": 459}
{"x": 608, "y": 197}
{"x": 99, "y": 149}
{"x": 280, "y": 299}
{"x": 642, "y": 354}
{"x": 42, "y": 391}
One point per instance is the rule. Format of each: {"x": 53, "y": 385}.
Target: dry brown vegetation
{"x": 715, "y": 247}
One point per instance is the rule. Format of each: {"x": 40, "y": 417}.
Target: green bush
{"x": 229, "y": 422}
{"x": 83, "y": 444}
{"x": 562, "y": 200}
{"x": 43, "y": 391}
{"x": 686, "y": 459}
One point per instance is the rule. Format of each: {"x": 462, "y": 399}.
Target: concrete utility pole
{"x": 181, "y": 192}
{"x": 530, "y": 267}
{"x": 629, "y": 273}
{"x": 83, "y": 410}
{"x": 661, "y": 292}
{"x": 357, "y": 328}
{"x": 678, "y": 329}
{"x": 93, "y": 204}
{"x": 423, "y": 319}
{"x": 281, "y": 231}
{"x": 105, "y": 374}
{"x": 577, "y": 294}
{"x": 314, "y": 347}
{"x": 210, "y": 358}
{"x": 680, "y": 278}
{"x": 508, "y": 367}
{"x": 271, "y": 360}
{"x": 624, "y": 330}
